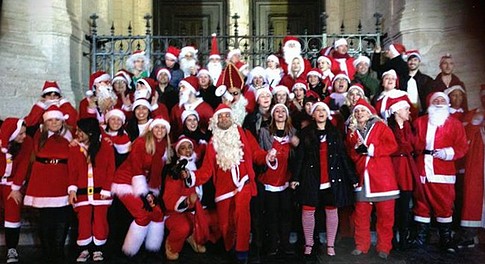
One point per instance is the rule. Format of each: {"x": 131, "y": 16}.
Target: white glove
{"x": 440, "y": 154}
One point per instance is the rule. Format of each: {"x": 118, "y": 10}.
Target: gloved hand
{"x": 440, "y": 154}
{"x": 361, "y": 149}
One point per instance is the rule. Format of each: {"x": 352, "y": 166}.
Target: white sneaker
{"x": 83, "y": 257}
{"x": 12, "y": 256}
{"x": 98, "y": 256}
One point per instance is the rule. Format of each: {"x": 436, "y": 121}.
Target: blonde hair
{"x": 353, "y": 125}
{"x": 150, "y": 146}
{"x": 347, "y": 97}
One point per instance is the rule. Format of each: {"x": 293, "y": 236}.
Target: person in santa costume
{"x": 188, "y": 61}
{"x": 297, "y": 71}
{"x": 137, "y": 184}
{"x": 214, "y": 63}
{"x": 418, "y": 83}
{"x": 139, "y": 64}
{"x": 180, "y": 201}
{"x": 234, "y": 57}
{"x": 354, "y": 93}
{"x": 395, "y": 62}
{"x": 323, "y": 176}
{"x": 171, "y": 63}
{"x": 315, "y": 83}
{"x": 389, "y": 92}
{"x": 282, "y": 95}
{"x": 146, "y": 88}
{"x": 167, "y": 94}
{"x": 51, "y": 95}
{"x": 472, "y": 214}
{"x": 304, "y": 118}
{"x": 343, "y": 61}
{"x": 91, "y": 165}
{"x": 207, "y": 89}
{"x": 188, "y": 100}
{"x": 229, "y": 163}
{"x": 292, "y": 49}
{"x": 140, "y": 118}
{"x": 47, "y": 188}
{"x": 458, "y": 106}
{"x": 370, "y": 144}
{"x": 273, "y": 70}
{"x": 261, "y": 117}
{"x": 440, "y": 141}
{"x": 100, "y": 98}
{"x": 16, "y": 149}
{"x": 337, "y": 98}
{"x": 404, "y": 165}
{"x": 123, "y": 87}
{"x": 230, "y": 88}
{"x": 324, "y": 64}
{"x": 364, "y": 76}
{"x": 299, "y": 89}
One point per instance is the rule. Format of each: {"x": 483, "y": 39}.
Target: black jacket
{"x": 341, "y": 171}
{"x": 424, "y": 83}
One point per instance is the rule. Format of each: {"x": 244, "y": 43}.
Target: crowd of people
{"x": 187, "y": 152}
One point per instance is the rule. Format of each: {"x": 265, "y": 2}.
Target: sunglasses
{"x": 234, "y": 93}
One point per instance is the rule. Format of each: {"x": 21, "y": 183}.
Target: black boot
{"x": 420, "y": 238}
{"x": 446, "y": 241}
{"x": 466, "y": 238}
{"x": 59, "y": 239}
{"x": 404, "y": 235}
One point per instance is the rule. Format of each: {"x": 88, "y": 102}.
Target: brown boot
{"x": 170, "y": 255}
{"x": 196, "y": 247}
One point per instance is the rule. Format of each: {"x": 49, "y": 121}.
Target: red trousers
{"x": 235, "y": 220}
{"x": 12, "y": 209}
{"x": 437, "y": 198}
{"x": 385, "y": 221}
{"x": 142, "y": 217}
{"x": 93, "y": 224}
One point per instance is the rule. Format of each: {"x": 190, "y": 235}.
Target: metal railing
{"x": 109, "y": 52}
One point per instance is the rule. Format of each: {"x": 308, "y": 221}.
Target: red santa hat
{"x": 166, "y": 71}
{"x": 311, "y": 96}
{"x": 357, "y": 86}
{"x": 299, "y": 84}
{"x": 54, "y": 112}
{"x": 340, "y": 75}
{"x": 115, "y": 113}
{"x": 159, "y": 120}
{"x": 436, "y": 95}
{"x": 97, "y": 77}
{"x": 291, "y": 40}
{"x": 172, "y": 53}
{"x": 186, "y": 50}
{"x": 203, "y": 72}
{"x": 123, "y": 75}
{"x": 181, "y": 140}
{"x": 230, "y": 77}
{"x": 50, "y": 87}
{"x": 362, "y": 103}
{"x": 233, "y": 52}
{"x": 315, "y": 72}
{"x": 10, "y": 129}
{"x": 325, "y": 107}
{"x": 396, "y": 49}
{"x": 360, "y": 59}
{"x": 395, "y": 104}
{"x": 264, "y": 89}
{"x": 325, "y": 58}
{"x": 273, "y": 58}
{"x": 340, "y": 42}
{"x": 149, "y": 83}
{"x": 214, "y": 48}
{"x": 450, "y": 89}
{"x": 283, "y": 88}
{"x": 326, "y": 51}
{"x": 191, "y": 83}
{"x": 222, "y": 108}
{"x": 256, "y": 71}
{"x": 413, "y": 53}
{"x": 187, "y": 113}
{"x": 142, "y": 101}
{"x": 389, "y": 72}
{"x": 280, "y": 105}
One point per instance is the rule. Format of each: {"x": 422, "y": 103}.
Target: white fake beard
{"x": 228, "y": 146}
{"x": 191, "y": 161}
{"x": 437, "y": 115}
{"x": 339, "y": 98}
{"x": 185, "y": 65}
{"x": 239, "y": 110}
{"x": 215, "y": 69}
{"x": 290, "y": 54}
{"x": 141, "y": 94}
{"x": 106, "y": 97}
{"x": 184, "y": 98}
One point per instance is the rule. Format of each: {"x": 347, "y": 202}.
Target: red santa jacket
{"x": 277, "y": 175}
{"x": 141, "y": 172}
{"x": 284, "y": 65}
{"x": 15, "y": 171}
{"x": 402, "y": 159}
{"x": 451, "y": 137}
{"x": 90, "y": 182}
{"x": 375, "y": 170}
{"x": 35, "y": 116}
{"x": 175, "y": 192}
{"x": 345, "y": 64}
{"x": 202, "y": 108}
{"x": 49, "y": 175}
{"x": 229, "y": 183}
{"x": 383, "y": 103}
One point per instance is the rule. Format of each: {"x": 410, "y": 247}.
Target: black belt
{"x": 84, "y": 191}
{"x": 428, "y": 152}
{"x": 51, "y": 161}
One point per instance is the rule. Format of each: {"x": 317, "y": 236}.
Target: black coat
{"x": 341, "y": 171}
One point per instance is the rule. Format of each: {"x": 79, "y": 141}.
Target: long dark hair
{"x": 90, "y": 126}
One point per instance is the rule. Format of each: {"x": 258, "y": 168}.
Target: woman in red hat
{"x": 47, "y": 188}
{"x": 14, "y": 163}
{"x": 370, "y": 144}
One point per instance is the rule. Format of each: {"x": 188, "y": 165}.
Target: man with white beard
{"x": 440, "y": 141}
{"x": 214, "y": 65}
{"x": 188, "y": 100}
{"x": 188, "y": 60}
{"x": 229, "y": 163}
{"x": 292, "y": 49}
